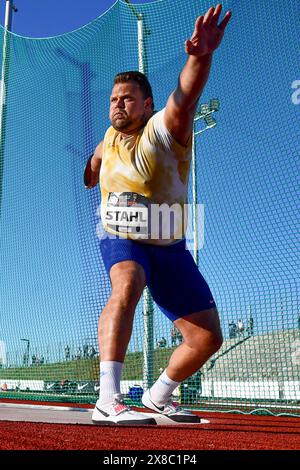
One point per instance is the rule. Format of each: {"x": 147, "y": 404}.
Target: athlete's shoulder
{"x": 151, "y": 129}
{"x": 157, "y": 133}
{"x": 156, "y": 118}
{"x": 110, "y": 133}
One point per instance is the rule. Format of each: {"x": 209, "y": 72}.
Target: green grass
{"x": 47, "y": 397}
{"x": 86, "y": 369}
{"x": 82, "y": 369}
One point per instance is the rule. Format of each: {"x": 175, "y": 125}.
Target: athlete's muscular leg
{"x": 202, "y": 338}
{"x": 115, "y": 322}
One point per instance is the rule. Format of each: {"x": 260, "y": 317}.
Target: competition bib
{"x": 127, "y": 213}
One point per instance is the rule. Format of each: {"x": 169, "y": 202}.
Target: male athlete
{"x": 144, "y": 160}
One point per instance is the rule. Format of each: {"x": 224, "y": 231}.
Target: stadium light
{"x": 210, "y": 121}
{"x": 205, "y": 113}
{"x": 214, "y": 104}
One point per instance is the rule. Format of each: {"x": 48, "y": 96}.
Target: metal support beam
{"x": 148, "y": 307}
{"x": 10, "y": 8}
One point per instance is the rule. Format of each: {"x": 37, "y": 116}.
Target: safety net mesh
{"x": 53, "y": 282}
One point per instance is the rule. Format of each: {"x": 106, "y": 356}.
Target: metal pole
{"x": 27, "y": 350}
{"x": 195, "y": 198}
{"x": 205, "y": 113}
{"x": 148, "y": 307}
{"x": 249, "y": 320}
{"x": 4, "y": 85}
{"x": 142, "y": 32}
{"x": 10, "y": 7}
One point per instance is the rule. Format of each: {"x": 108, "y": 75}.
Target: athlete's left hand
{"x": 207, "y": 35}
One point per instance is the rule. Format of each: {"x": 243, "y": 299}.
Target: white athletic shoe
{"x": 117, "y": 412}
{"x": 171, "y": 410}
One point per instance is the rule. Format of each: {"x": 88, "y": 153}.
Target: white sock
{"x": 162, "y": 389}
{"x": 110, "y": 380}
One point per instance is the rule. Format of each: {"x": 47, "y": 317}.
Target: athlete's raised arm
{"x": 181, "y": 105}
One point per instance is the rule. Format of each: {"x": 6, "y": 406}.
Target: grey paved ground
{"x": 59, "y": 414}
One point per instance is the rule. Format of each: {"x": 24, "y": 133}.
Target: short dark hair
{"x": 137, "y": 77}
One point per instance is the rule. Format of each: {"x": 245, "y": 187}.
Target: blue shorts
{"x": 172, "y": 276}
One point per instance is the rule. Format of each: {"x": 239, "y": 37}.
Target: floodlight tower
{"x": 148, "y": 308}
{"x": 204, "y": 113}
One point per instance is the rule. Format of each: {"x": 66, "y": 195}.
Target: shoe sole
{"x": 177, "y": 418}
{"x": 184, "y": 419}
{"x": 125, "y": 422}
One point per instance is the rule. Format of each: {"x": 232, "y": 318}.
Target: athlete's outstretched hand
{"x": 208, "y": 34}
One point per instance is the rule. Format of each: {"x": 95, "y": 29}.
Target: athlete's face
{"x": 129, "y": 110}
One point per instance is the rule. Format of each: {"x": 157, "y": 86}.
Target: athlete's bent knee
{"x": 128, "y": 281}
{"x": 212, "y": 341}
{"x": 130, "y": 292}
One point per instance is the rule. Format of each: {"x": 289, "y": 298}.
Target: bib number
{"x": 127, "y": 213}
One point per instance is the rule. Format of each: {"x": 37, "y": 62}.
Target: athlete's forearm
{"x": 96, "y": 160}
{"x": 92, "y": 169}
{"x": 192, "y": 81}
{"x": 95, "y": 164}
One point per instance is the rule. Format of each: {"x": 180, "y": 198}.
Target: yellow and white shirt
{"x": 140, "y": 173}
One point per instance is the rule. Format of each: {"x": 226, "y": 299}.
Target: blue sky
{"x": 46, "y": 18}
